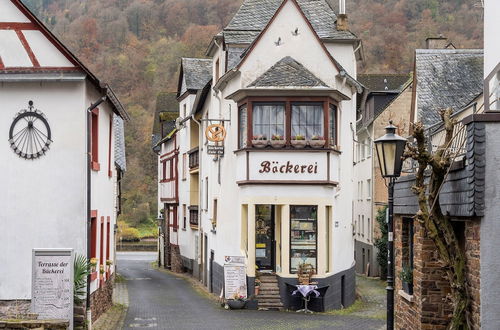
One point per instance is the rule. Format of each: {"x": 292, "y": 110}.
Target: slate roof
{"x": 254, "y": 15}
{"x": 287, "y": 72}
{"x": 197, "y": 72}
{"x": 446, "y": 78}
{"x": 119, "y": 133}
{"x": 379, "y": 82}
{"x": 240, "y": 37}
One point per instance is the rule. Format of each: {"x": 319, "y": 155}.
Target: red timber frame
{"x": 95, "y": 140}
{"x": 93, "y": 239}
{"x": 288, "y": 101}
{"x": 172, "y": 160}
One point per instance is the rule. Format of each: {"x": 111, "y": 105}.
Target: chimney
{"x": 436, "y": 42}
{"x": 342, "y": 21}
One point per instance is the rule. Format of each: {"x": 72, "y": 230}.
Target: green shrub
{"x": 381, "y": 243}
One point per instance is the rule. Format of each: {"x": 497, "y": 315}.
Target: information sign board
{"x": 52, "y": 284}
{"x": 235, "y": 277}
{"x": 215, "y": 150}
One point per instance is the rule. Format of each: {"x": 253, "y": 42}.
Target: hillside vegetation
{"x": 136, "y": 46}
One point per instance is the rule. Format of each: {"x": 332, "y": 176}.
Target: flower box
{"x": 299, "y": 144}
{"x": 277, "y": 144}
{"x": 236, "y": 303}
{"x": 316, "y": 144}
{"x": 259, "y": 143}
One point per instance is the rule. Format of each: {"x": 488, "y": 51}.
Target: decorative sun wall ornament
{"x": 29, "y": 134}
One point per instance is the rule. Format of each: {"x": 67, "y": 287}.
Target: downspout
{"x": 89, "y": 200}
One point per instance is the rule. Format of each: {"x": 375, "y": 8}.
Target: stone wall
{"x": 428, "y": 307}
{"x": 14, "y": 308}
{"x": 102, "y": 299}
{"x": 176, "y": 262}
{"x": 35, "y": 324}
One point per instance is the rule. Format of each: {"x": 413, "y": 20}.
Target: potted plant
{"x": 406, "y": 276}
{"x": 259, "y": 141}
{"x": 317, "y": 142}
{"x": 277, "y": 141}
{"x": 298, "y": 141}
{"x": 257, "y": 286}
{"x": 257, "y": 280}
{"x": 93, "y": 264}
{"x": 237, "y": 302}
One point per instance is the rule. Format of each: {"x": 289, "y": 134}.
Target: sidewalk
{"x": 114, "y": 318}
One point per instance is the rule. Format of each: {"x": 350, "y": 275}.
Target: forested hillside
{"x": 135, "y": 45}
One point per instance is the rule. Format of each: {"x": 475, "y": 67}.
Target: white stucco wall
{"x": 43, "y": 201}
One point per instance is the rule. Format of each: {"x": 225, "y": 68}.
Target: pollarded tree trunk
{"x": 437, "y": 225}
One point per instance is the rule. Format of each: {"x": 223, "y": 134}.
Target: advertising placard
{"x": 52, "y": 284}
{"x": 235, "y": 277}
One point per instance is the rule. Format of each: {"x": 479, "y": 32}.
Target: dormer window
{"x": 288, "y": 119}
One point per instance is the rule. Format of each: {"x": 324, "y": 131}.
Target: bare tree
{"x": 437, "y": 225}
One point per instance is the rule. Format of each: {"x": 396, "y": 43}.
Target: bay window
{"x": 309, "y": 118}
{"x": 268, "y": 120}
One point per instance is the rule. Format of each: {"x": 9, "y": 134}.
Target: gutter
{"x": 89, "y": 201}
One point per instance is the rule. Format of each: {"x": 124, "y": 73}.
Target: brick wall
{"x": 428, "y": 308}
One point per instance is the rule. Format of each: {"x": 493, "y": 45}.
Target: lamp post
{"x": 390, "y": 148}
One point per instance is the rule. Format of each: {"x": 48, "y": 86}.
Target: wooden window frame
{"x": 95, "y": 140}
{"x": 93, "y": 236}
{"x": 288, "y": 101}
{"x": 101, "y": 247}
{"x": 108, "y": 241}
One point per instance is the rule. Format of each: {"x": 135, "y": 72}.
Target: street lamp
{"x": 390, "y": 148}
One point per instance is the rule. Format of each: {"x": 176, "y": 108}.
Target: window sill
{"x": 183, "y": 229}
{"x": 193, "y": 227}
{"x": 95, "y": 166}
{"x": 288, "y": 149}
{"x": 406, "y": 296}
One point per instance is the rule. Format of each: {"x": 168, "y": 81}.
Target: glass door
{"x": 264, "y": 237}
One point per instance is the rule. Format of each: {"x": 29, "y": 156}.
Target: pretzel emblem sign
{"x": 215, "y": 133}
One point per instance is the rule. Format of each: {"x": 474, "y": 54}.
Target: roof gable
{"x": 254, "y": 15}
{"x": 278, "y": 40}
{"x": 27, "y": 46}
{"x": 446, "y": 78}
{"x": 195, "y": 74}
{"x": 288, "y": 72}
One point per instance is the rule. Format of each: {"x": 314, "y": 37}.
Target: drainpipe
{"x": 89, "y": 200}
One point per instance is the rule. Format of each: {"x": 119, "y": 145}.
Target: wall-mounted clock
{"x": 29, "y": 134}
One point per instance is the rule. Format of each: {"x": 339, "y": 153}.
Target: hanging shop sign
{"x": 215, "y": 133}
{"x": 215, "y": 150}
{"x": 52, "y": 284}
{"x": 235, "y": 277}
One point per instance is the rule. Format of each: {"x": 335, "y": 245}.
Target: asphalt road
{"x": 158, "y": 300}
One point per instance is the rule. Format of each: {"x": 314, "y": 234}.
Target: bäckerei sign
{"x": 291, "y": 166}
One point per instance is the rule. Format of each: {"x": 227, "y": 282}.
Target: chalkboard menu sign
{"x": 52, "y": 284}
{"x": 235, "y": 278}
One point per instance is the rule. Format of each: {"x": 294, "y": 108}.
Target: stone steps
{"x": 269, "y": 293}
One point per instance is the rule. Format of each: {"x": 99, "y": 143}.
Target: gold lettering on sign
{"x": 275, "y": 167}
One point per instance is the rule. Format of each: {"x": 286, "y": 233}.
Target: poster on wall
{"x": 52, "y": 284}
{"x": 235, "y": 277}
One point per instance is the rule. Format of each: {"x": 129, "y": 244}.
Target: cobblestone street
{"x": 159, "y": 300}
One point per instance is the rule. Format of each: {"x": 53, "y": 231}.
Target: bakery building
{"x": 271, "y": 130}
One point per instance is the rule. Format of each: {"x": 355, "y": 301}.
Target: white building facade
{"x": 281, "y": 194}
{"x": 52, "y": 194}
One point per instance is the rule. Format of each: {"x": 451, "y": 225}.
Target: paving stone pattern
{"x": 159, "y": 300}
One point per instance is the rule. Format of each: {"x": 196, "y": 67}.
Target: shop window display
{"x": 303, "y": 236}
